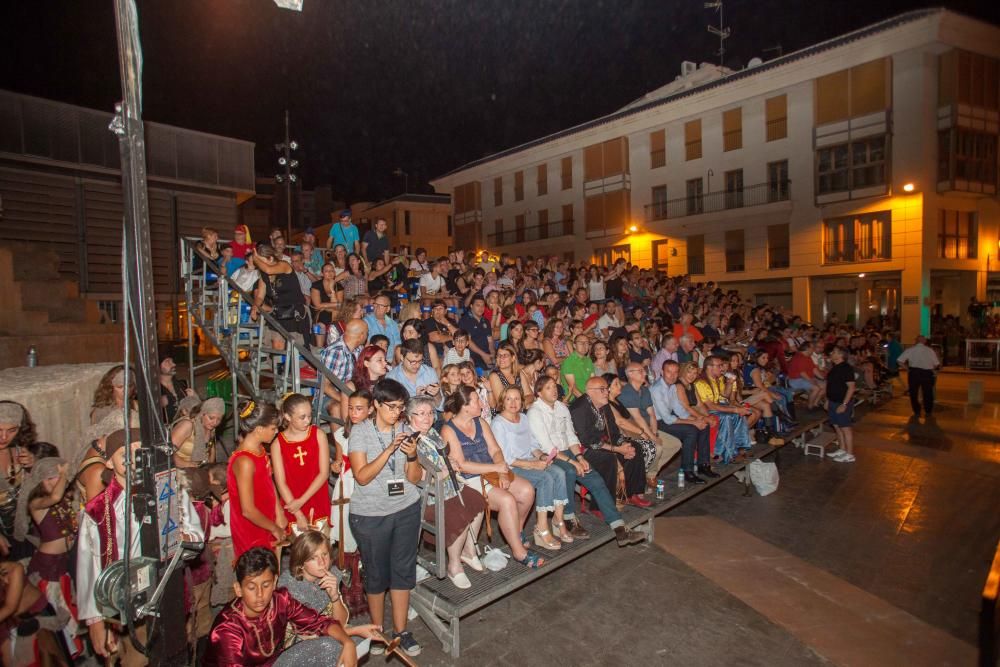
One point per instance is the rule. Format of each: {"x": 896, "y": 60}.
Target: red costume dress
{"x": 300, "y": 460}
{"x": 247, "y": 534}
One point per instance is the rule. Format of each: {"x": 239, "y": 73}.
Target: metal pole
{"x": 138, "y": 278}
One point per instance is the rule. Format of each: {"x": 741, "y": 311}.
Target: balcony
{"x": 722, "y": 200}
{"x": 853, "y": 253}
{"x": 552, "y": 229}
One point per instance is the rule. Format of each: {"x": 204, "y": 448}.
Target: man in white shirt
{"x": 921, "y": 362}
{"x": 432, "y": 284}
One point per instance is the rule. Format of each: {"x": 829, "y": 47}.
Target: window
{"x": 498, "y": 230}
{"x": 543, "y": 223}
{"x": 466, "y": 198}
{"x": 567, "y": 173}
{"x": 519, "y": 228}
{"x": 695, "y": 199}
{"x": 406, "y": 223}
{"x": 777, "y": 181}
{"x": 958, "y": 235}
{"x": 831, "y": 169}
{"x": 732, "y": 129}
{"x": 776, "y": 117}
{"x": 518, "y": 185}
{"x": 734, "y": 188}
{"x": 543, "y": 179}
{"x": 696, "y": 254}
{"x": 862, "y": 238}
{"x": 610, "y": 255}
{"x": 868, "y": 162}
{"x": 498, "y": 191}
{"x": 657, "y": 149}
{"x": 567, "y": 219}
{"x": 692, "y": 139}
{"x": 660, "y": 251}
{"x": 606, "y": 159}
{"x": 777, "y": 246}
{"x": 968, "y": 78}
{"x": 451, "y": 229}
{"x": 658, "y": 210}
{"x": 735, "y": 250}
{"x": 967, "y": 155}
{"x": 853, "y": 92}
{"x": 609, "y": 210}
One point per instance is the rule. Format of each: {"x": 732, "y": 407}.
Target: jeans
{"x": 691, "y": 437}
{"x": 550, "y": 486}
{"x": 598, "y": 490}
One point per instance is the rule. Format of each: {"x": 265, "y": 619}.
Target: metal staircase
{"x": 220, "y": 311}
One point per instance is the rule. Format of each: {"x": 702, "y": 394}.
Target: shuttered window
{"x": 692, "y": 139}
{"x": 567, "y": 173}
{"x": 543, "y": 179}
{"x": 567, "y": 219}
{"x": 466, "y": 197}
{"x": 968, "y": 78}
{"x": 868, "y": 88}
{"x": 498, "y": 191}
{"x": 657, "y": 149}
{"x": 609, "y": 210}
{"x": 832, "y": 102}
{"x": 732, "y": 129}
{"x": 518, "y": 185}
{"x": 853, "y": 92}
{"x": 606, "y": 159}
{"x": 776, "y": 117}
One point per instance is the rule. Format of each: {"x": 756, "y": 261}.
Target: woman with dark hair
{"x": 17, "y": 431}
{"x": 356, "y": 282}
{"x": 554, "y": 343}
{"x": 326, "y": 296}
{"x": 477, "y": 454}
{"x": 280, "y": 294}
{"x": 411, "y": 329}
{"x": 110, "y": 394}
{"x": 28, "y": 456}
{"x": 385, "y": 507}
{"x": 256, "y": 518}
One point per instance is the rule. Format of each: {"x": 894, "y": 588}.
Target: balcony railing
{"x": 722, "y": 200}
{"x": 553, "y": 229}
{"x": 850, "y": 253}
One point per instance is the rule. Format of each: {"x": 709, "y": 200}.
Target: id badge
{"x": 394, "y": 487}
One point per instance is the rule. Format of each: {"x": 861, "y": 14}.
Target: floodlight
{"x": 282, "y": 161}
{"x": 295, "y": 5}
{"x": 908, "y": 187}
{"x": 294, "y": 145}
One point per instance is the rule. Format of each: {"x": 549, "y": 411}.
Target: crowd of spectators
{"x": 531, "y": 386}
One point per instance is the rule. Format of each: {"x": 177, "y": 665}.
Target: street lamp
{"x": 287, "y": 163}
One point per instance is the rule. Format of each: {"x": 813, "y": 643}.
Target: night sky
{"x": 425, "y": 85}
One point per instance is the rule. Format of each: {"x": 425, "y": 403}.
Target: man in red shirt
{"x": 802, "y": 375}
{"x": 685, "y": 327}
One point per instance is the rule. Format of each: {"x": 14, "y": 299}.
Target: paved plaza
{"x": 879, "y": 562}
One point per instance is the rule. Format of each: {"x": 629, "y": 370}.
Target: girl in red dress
{"x": 301, "y": 462}
{"x": 255, "y": 515}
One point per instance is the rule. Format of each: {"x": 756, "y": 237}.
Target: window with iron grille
{"x": 958, "y": 235}
{"x": 777, "y": 180}
{"x": 695, "y": 196}
{"x": 777, "y": 246}
{"x": 735, "y": 250}
{"x": 696, "y": 254}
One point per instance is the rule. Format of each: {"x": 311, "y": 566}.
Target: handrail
{"x": 294, "y": 350}
{"x": 720, "y": 200}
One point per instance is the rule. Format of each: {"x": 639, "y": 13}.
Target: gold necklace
{"x": 260, "y": 640}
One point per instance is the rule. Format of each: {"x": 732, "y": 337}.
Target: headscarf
{"x": 114, "y": 421}
{"x": 188, "y": 403}
{"x": 43, "y": 469}
{"x": 11, "y": 413}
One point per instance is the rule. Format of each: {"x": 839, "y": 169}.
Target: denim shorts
{"x": 842, "y": 419}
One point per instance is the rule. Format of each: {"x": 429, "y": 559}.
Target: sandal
{"x": 531, "y": 560}
{"x": 544, "y": 540}
{"x": 524, "y": 540}
{"x": 560, "y": 531}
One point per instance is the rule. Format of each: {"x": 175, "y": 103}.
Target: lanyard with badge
{"x": 393, "y": 486}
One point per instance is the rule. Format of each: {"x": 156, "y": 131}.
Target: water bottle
{"x": 32, "y": 357}
{"x": 680, "y": 479}
{"x": 661, "y": 489}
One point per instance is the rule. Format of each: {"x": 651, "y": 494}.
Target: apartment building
{"x": 857, "y": 176}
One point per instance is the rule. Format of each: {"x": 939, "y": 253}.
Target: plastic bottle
{"x": 680, "y": 479}
{"x": 32, "y": 357}
{"x": 661, "y": 489}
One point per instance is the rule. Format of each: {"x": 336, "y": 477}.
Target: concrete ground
{"x": 876, "y": 562}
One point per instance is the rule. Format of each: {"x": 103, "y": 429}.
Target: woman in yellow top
{"x": 713, "y": 391}
{"x": 194, "y": 437}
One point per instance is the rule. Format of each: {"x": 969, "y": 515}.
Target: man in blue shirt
{"x": 673, "y": 418}
{"x": 345, "y": 233}
{"x": 480, "y": 333}
{"x": 418, "y": 378}
{"x": 637, "y": 399}
{"x": 379, "y": 322}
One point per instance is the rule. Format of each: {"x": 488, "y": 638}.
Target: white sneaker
{"x": 846, "y": 458}
{"x": 837, "y": 455}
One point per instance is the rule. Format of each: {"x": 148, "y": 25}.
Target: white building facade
{"x": 856, "y": 177}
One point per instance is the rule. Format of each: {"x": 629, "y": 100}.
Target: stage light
{"x": 294, "y": 145}
{"x": 293, "y": 164}
{"x": 633, "y": 229}
{"x": 908, "y": 187}
{"x": 861, "y": 275}
{"x": 295, "y": 5}
{"x": 282, "y": 161}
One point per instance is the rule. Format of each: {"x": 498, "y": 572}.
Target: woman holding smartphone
{"x": 385, "y": 508}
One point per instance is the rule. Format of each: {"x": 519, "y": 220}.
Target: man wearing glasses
{"x": 379, "y": 322}
{"x": 416, "y": 377}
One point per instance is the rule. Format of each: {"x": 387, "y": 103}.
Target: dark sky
{"x": 425, "y": 85}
